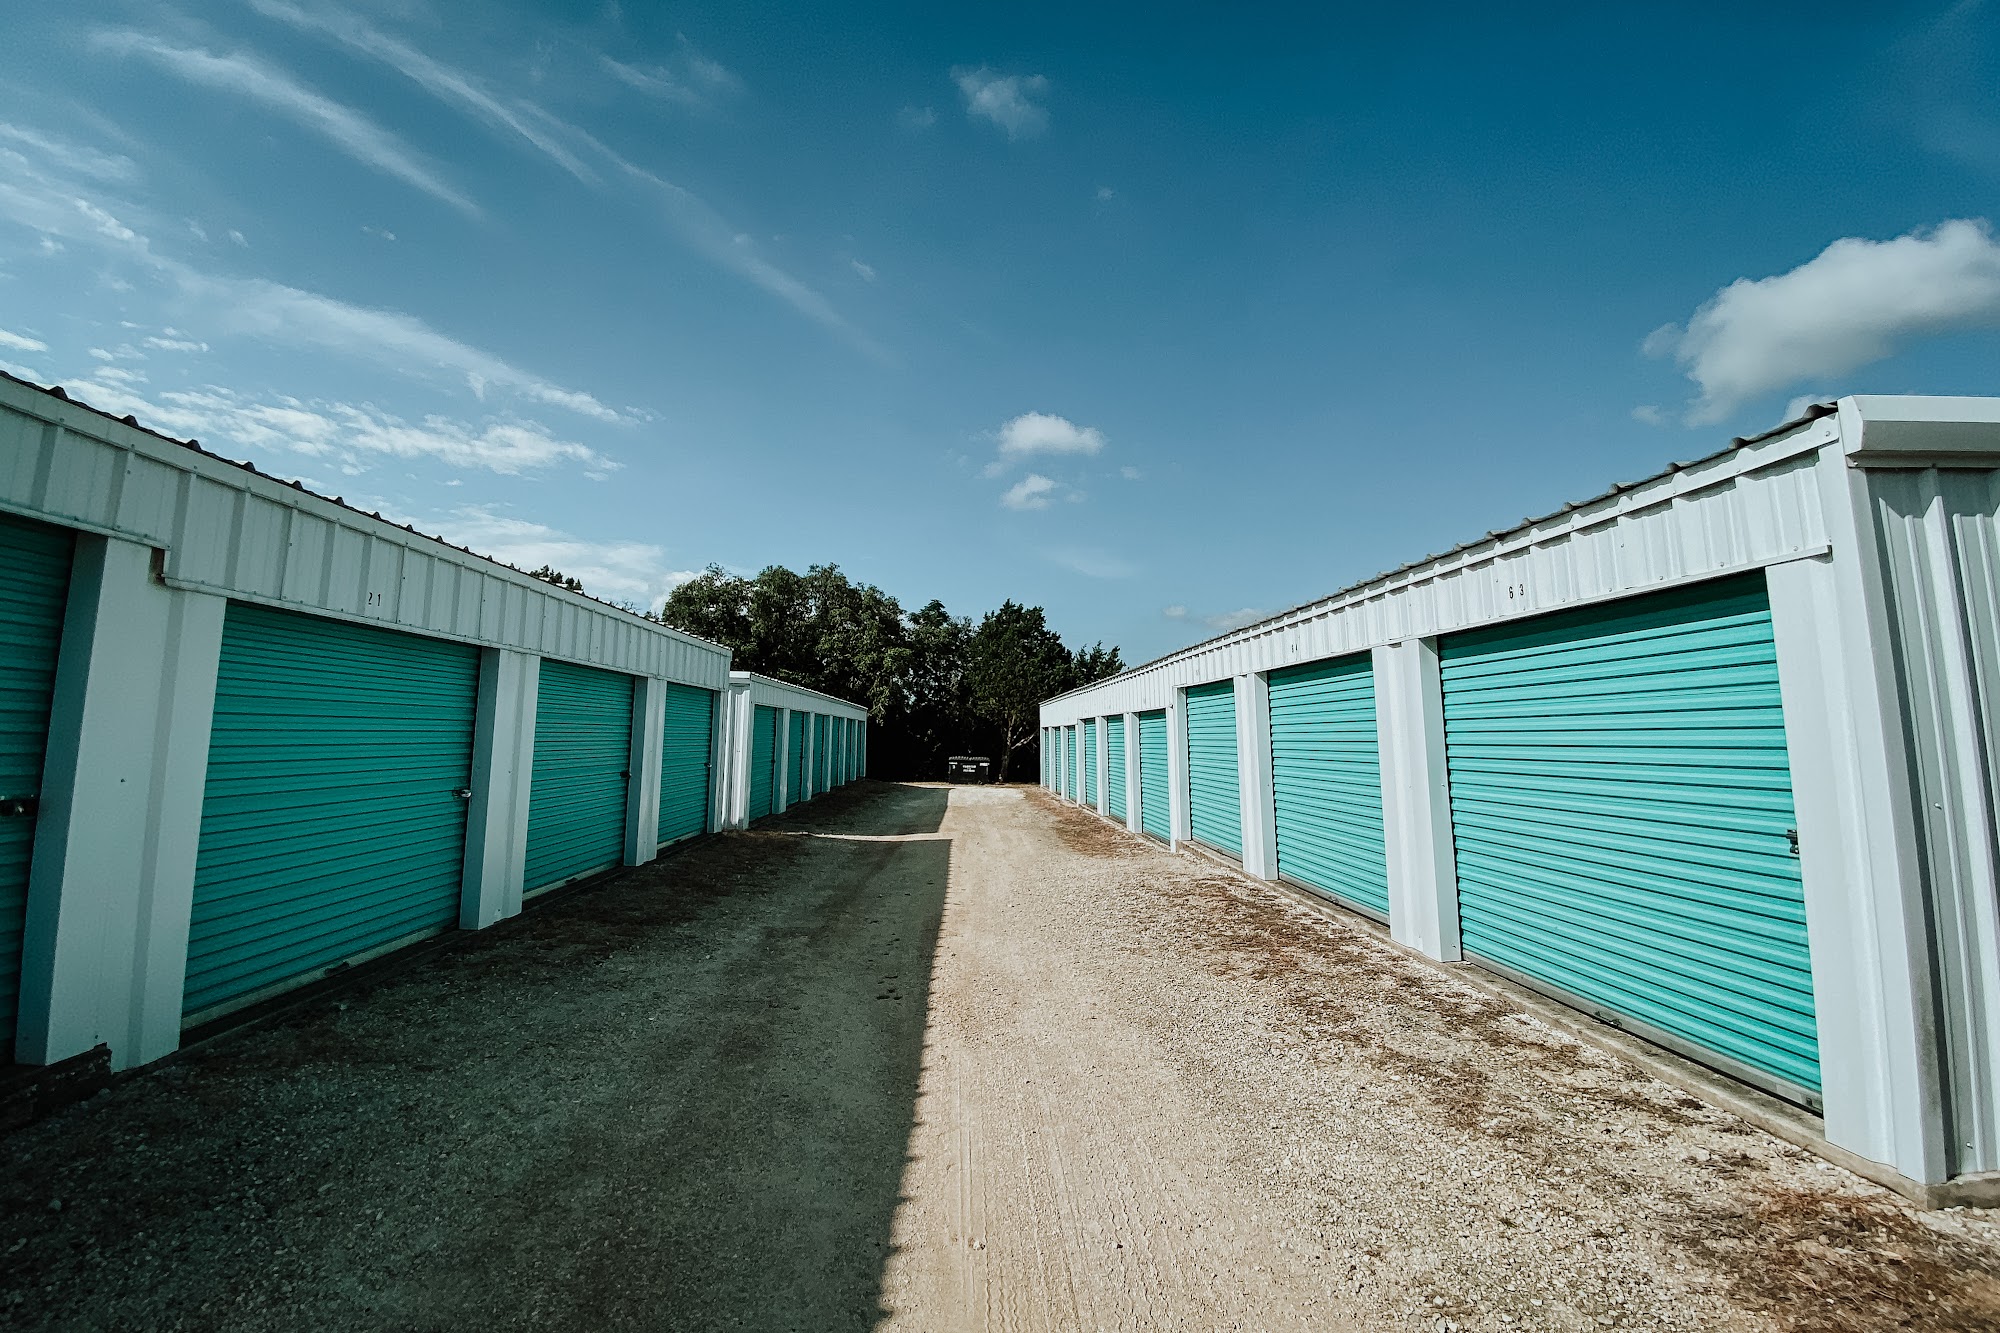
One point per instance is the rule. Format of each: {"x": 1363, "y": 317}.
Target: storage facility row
{"x": 1710, "y": 758}
{"x": 249, "y": 736}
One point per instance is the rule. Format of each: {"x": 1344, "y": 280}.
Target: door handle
{"x": 19, "y": 807}
{"x": 462, "y": 793}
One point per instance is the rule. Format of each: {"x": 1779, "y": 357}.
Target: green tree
{"x": 1013, "y": 662}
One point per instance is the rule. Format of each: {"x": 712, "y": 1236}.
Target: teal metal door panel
{"x": 763, "y": 760}
{"x": 331, "y": 819}
{"x": 33, "y": 596}
{"x": 1155, "y": 817}
{"x": 795, "y": 764}
{"x": 1215, "y": 809}
{"x": 1326, "y": 781}
{"x": 845, "y": 753}
{"x": 1047, "y": 752}
{"x": 822, "y": 770}
{"x": 1622, "y": 805}
{"x": 686, "y": 748}
{"x": 1090, "y": 763}
{"x": 583, "y": 750}
{"x": 1114, "y": 765}
{"x": 1069, "y": 768}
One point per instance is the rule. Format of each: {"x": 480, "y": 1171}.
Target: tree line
{"x": 934, "y": 684}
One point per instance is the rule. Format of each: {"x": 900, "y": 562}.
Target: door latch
{"x": 18, "y": 807}
{"x": 1792, "y": 836}
{"x": 462, "y": 793}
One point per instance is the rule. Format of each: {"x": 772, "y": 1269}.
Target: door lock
{"x": 1792, "y": 836}
{"x": 462, "y": 793}
{"x": 18, "y": 807}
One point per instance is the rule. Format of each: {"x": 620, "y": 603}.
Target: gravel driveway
{"x": 920, "y": 1059}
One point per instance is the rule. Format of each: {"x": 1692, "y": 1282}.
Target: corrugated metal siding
{"x": 763, "y": 760}
{"x": 1215, "y": 806}
{"x": 1326, "y": 781}
{"x": 795, "y": 749}
{"x": 256, "y": 539}
{"x": 687, "y": 744}
{"x": 1069, "y": 766}
{"x": 1621, "y": 797}
{"x": 822, "y": 766}
{"x": 1939, "y": 532}
{"x": 1090, "y": 763}
{"x": 1114, "y": 765}
{"x": 583, "y": 749}
{"x": 331, "y": 823}
{"x": 33, "y": 595}
{"x": 1155, "y": 816}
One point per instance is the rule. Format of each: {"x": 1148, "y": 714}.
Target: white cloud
{"x": 686, "y": 77}
{"x": 177, "y": 344}
{"x": 626, "y": 571}
{"x": 113, "y": 168}
{"x": 236, "y": 238}
{"x": 379, "y": 233}
{"x": 1045, "y": 433}
{"x": 1851, "y": 305}
{"x": 440, "y": 80}
{"x": 1174, "y": 612}
{"x": 21, "y": 372}
{"x": 347, "y": 435}
{"x": 1229, "y": 620}
{"x": 1030, "y": 492}
{"x": 1105, "y": 194}
{"x": 867, "y": 271}
{"x": 1646, "y": 414}
{"x": 247, "y": 76}
{"x": 1006, "y": 100}
{"x": 1130, "y": 473}
{"x": 916, "y": 117}
{"x": 20, "y": 342}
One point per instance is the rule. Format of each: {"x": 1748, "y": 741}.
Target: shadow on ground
{"x": 680, "y": 1100}
{"x": 859, "y": 811}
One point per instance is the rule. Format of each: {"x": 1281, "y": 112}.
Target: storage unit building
{"x": 775, "y": 718}
{"x": 249, "y": 735}
{"x": 1710, "y": 757}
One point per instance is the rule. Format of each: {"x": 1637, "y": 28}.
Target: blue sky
{"x": 1158, "y": 317}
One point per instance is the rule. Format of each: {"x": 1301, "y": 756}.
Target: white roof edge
{"x": 55, "y": 406}
{"x": 1884, "y": 430}
{"x": 1416, "y": 568}
{"x": 747, "y": 679}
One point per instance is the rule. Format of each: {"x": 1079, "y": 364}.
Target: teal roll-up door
{"x": 845, "y": 754}
{"x": 583, "y": 752}
{"x": 33, "y": 596}
{"x": 822, "y": 768}
{"x": 1215, "y": 809}
{"x": 1621, "y": 800}
{"x": 795, "y": 764}
{"x": 332, "y": 823}
{"x": 763, "y": 760}
{"x": 1155, "y": 816}
{"x": 1090, "y": 763}
{"x": 1326, "y": 781}
{"x": 1114, "y": 765}
{"x": 686, "y": 748}
{"x": 1069, "y": 767}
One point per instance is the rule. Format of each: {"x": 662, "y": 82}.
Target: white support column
{"x": 1858, "y": 852}
{"x": 104, "y": 953}
{"x": 1177, "y": 770}
{"x": 1133, "y": 778}
{"x": 718, "y": 761}
{"x": 736, "y": 783}
{"x": 1098, "y": 742}
{"x": 1416, "y": 799}
{"x": 503, "y": 771}
{"x": 781, "y": 794}
{"x": 1253, "y": 776}
{"x": 642, "y": 787}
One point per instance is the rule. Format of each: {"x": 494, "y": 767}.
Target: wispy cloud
{"x": 442, "y": 81}
{"x": 1094, "y": 563}
{"x": 867, "y": 271}
{"x": 627, "y": 571}
{"x": 20, "y": 342}
{"x": 1855, "y": 303}
{"x": 346, "y": 435}
{"x": 1647, "y": 414}
{"x": 173, "y": 342}
{"x": 111, "y": 168}
{"x": 1221, "y": 622}
{"x": 255, "y": 307}
{"x": 1130, "y": 473}
{"x": 686, "y": 77}
{"x": 1046, "y": 433}
{"x": 245, "y": 75}
{"x": 916, "y": 117}
{"x": 1175, "y": 612}
{"x": 1007, "y": 100}
{"x": 1033, "y": 491}
{"x": 686, "y": 213}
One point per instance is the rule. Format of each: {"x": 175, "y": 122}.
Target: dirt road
{"x": 923, "y": 1060}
